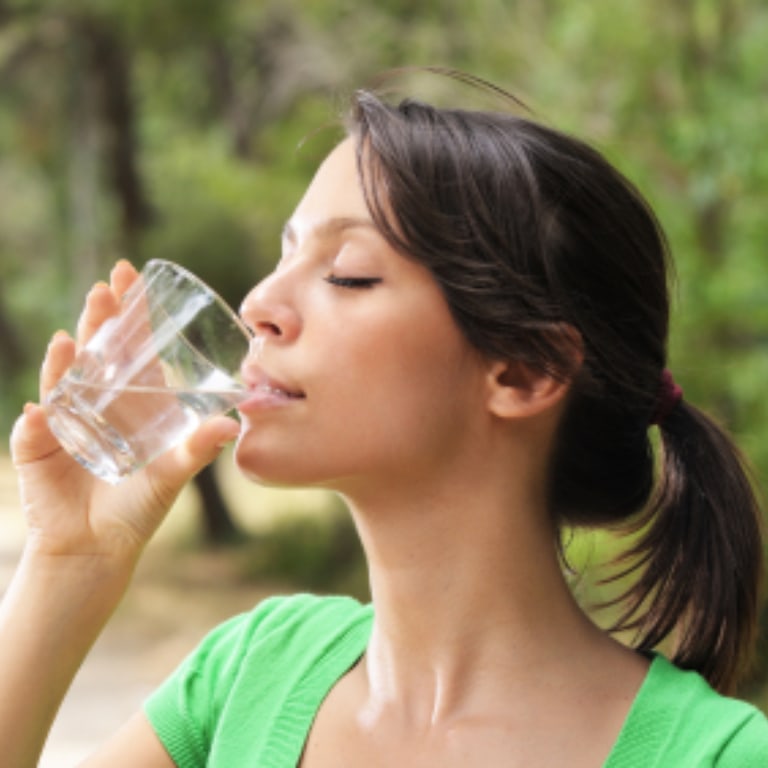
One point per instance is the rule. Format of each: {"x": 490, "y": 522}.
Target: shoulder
{"x": 679, "y": 715}
{"x": 748, "y": 746}
{"x": 251, "y": 670}
{"x": 279, "y": 629}
{"x": 282, "y": 612}
{"x": 291, "y": 624}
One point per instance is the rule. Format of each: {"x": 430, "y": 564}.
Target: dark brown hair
{"x": 529, "y": 231}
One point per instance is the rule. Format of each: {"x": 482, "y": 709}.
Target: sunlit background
{"x": 187, "y": 130}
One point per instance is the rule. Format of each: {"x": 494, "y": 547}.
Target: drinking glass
{"x": 149, "y": 375}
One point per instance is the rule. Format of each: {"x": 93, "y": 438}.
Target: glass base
{"x": 93, "y": 443}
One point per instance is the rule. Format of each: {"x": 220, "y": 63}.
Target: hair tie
{"x": 669, "y": 395}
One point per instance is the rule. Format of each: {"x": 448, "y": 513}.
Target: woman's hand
{"x": 71, "y": 512}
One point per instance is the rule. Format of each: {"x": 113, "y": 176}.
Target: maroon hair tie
{"x": 669, "y": 395}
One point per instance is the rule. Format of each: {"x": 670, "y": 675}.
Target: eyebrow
{"x": 330, "y": 227}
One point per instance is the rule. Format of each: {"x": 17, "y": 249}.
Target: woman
{"x": 466, "y": 338}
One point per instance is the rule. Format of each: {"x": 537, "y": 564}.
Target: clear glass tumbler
{"x": 150, "y": 375}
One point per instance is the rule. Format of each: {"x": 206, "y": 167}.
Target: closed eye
{"x": 352, "y": 282}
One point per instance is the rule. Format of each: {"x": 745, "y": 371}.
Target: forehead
{"x": 334, "y": 192}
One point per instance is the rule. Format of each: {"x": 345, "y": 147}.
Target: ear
{"x": 518, "y": 391}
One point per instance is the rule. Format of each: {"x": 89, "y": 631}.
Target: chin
{"x": 268, "y": 470}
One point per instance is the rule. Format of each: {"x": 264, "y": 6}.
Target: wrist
{"x": 105, "y": 553}
{"x": 95, "y": 577}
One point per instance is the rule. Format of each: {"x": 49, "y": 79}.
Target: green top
{"x": 248, "y": 695}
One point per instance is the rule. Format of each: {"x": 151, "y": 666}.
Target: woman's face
{"x": 359, "y": 373}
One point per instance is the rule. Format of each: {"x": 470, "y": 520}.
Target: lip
{"x": 266, "y": 390}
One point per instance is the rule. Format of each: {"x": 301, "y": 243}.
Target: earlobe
{"x": 516, "y": 391}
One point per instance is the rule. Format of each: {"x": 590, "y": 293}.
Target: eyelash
{"x": 352, "y": 282}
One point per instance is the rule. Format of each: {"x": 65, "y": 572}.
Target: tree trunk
{"x": 12, "y": 355}
{"x": 109, "y": 63}
{"x": 219, "y": 527}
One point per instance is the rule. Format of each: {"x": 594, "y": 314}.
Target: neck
{"x": 468, "y": 592}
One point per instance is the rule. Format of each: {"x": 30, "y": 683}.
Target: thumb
{"x": 31, "y": 439}
{"x": 199, "y": 449}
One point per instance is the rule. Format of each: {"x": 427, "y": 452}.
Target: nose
{"x": 268, "y": 310}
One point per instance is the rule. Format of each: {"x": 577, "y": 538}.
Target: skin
{"x": 441, "y": 454}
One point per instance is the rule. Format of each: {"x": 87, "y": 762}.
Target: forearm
{"x": 50, "y": 617}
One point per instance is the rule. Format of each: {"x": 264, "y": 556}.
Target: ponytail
{"x": 699, "y": 554}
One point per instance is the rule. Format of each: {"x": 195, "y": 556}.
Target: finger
{"x": 100, "y": 304}
{"x": 31, "y": 439}
{"x": 199, "y": 450}
{"x": 122, "y": 277}
{"x": 58, "y": 357}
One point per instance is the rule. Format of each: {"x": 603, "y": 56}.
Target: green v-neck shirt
{"x": 247, "y": 697}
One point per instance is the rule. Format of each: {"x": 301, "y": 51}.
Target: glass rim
{"x": 193, "y": 278}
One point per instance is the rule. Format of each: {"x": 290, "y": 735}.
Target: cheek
{"x": 413, "y": 391}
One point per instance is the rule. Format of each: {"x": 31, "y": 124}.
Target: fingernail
{"x": 120, "y": 263}
{"x": 58, "y": 336}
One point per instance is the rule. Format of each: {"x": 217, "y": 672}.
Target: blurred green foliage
{"x": 187, "y": 129}
{"x": 320, "y": 552}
